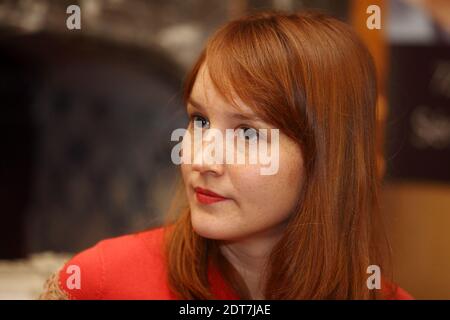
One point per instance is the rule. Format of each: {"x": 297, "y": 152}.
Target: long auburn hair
{"x": 309, "y": 75}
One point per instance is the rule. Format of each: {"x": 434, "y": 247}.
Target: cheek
{"x": 248, "y": 183}
{"x": 292, "y": 167}
{"x": 264, "y": 193}
{"x": 185, "y": 172}
{"x": 291, "y": 173}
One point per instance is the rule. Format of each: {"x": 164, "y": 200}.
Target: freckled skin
{"x": 259, "y": 204}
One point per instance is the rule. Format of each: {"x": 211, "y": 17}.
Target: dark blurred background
{"x": 87, "y": 115}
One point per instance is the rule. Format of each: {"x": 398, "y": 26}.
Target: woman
{"x": 310, "y": 230}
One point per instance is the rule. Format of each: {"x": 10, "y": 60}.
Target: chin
{"x": 210, "y": 227}
{"x": 214, "y": 229}
{"x": 204, "y": 228}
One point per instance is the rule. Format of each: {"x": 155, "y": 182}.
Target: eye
{"x": 248, "y": 133}
{"x": 199, "y": 121}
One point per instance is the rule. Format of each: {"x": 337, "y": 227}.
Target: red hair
{"x": 309, "y": 75}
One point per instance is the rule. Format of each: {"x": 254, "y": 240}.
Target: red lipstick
{"x": 206, "y": 196}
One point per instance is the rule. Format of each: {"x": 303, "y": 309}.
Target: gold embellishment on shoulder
{"x": 52, "y": 290}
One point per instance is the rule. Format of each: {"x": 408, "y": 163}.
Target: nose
{"x": 212, "y": 168}
{"x": 205, "y": 159}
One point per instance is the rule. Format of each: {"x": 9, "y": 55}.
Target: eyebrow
{"x": 238, "y": 116}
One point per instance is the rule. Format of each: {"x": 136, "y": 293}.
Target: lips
{"x": 206, "y": 196}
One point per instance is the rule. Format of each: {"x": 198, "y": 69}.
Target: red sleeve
{"x": 82, "y": 276}
{"x": 401, "y": 294}
{"x": 126, "y": 267}
{"x": 392, "y": 291}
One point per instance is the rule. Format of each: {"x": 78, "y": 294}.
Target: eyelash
{"x": 192, "y": 118}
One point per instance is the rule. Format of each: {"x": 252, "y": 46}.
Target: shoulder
{"x": 125, "y": 267}
{"x": 392, "y": 291}
{"x": 401, "y": 294}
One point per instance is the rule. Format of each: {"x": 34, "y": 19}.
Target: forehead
{"x": 205, "y": 92}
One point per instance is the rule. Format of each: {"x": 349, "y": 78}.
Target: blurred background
{"x": 87, "y": 115}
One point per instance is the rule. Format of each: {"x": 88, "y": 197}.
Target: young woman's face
{"x": 255, "y": 204}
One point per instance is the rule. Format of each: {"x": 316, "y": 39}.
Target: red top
{"x": 132, "y": 267}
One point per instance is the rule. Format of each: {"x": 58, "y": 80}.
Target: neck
{"x": 249, "y": 257}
